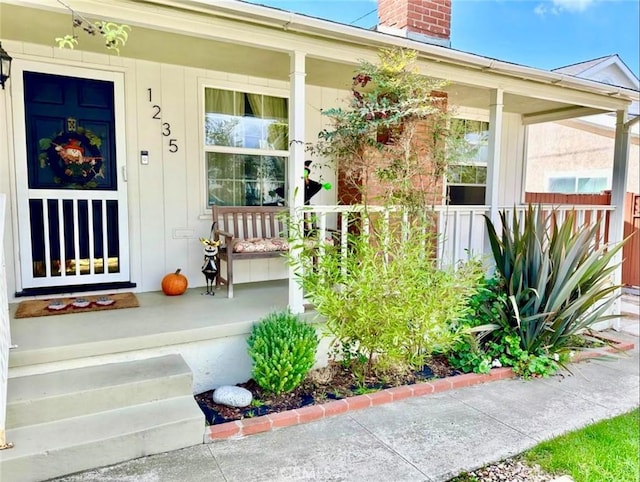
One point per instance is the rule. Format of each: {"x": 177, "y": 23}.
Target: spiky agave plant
{"x": 557, "y": 278}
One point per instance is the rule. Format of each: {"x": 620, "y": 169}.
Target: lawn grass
{"x": 605, "y": 451}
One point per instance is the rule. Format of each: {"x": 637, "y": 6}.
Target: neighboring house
{"x": 576, "y": 155}
{"x": 110, "y": 164}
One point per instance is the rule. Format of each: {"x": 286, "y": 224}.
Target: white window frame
{"x": 577, "y": 175}
{"x": 467, "y": 116}
{"x": 236, "y": 87}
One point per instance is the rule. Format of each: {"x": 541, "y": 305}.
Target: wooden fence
{"x": 631, "y": 251}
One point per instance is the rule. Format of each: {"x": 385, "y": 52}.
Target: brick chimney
{"x": 423, "y": 20}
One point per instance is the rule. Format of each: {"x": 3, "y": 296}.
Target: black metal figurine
{"x": 210, "y": 264}
{"x": 311, "y": 187}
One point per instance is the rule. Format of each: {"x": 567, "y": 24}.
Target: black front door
{"x": 74, "y": 200}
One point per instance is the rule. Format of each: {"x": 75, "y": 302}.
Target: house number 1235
{"x": 166, "y": 126}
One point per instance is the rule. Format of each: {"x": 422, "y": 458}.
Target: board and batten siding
{"x": 512, "y": 164}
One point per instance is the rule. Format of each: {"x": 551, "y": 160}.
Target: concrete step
{"x": 74, "y": 444}
{"x": 43, "y": 398}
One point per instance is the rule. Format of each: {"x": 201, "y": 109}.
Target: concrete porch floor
{"x": 162, "y": 324}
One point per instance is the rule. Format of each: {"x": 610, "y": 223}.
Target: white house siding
{"x": 167, "y": 211}
{"x": 611, "y": 75}
{"x": 512, "y": 163}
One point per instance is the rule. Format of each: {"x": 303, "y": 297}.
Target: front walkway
{"x": 430, "y": 438}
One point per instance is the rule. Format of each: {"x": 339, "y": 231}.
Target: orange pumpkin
{"x": 174, "y": 284}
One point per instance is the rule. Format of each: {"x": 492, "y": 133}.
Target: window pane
{"x": 453, "y": 174}
{"x": 275, "y": 108}
{"x": 592, "y": 184}
{"x": 238, "y": 119}
{"x": 245, "y": 180}
{"x": 218, "y": 101}
{"x": 482, "y": 152}
{"x": 276, "y": 124}
{"x": 224, "y": 110}
{"x": 221, "y": 192}
{"x": 466, "y": 195}
{"x": 277, "y": 135}
{"x": 562, "y": 184}
{"x": 467, "y": 174}
{"x": 481, "y": 174}
{"x": 222, "y": 130}
{"x": 469, "y": 140}
{"x": 252, "y": 194}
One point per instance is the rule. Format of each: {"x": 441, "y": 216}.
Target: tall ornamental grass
{"x": 386, "y": 303}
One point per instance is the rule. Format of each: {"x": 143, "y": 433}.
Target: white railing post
{"x": 344, "y": 238}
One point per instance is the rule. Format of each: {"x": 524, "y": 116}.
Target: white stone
{"x": 232, "y": 396}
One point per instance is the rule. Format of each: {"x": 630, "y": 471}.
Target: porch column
{"x": 295, "y": 196}
{"x": 492, "y": 197}
{"x": 618, "y": 191}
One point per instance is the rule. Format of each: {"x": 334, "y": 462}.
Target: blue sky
{"x": 537, "y": 33}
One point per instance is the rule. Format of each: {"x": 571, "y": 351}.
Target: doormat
{"x": 77, "y": 304}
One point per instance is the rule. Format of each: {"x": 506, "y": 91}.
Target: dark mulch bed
{"x": 333, "y": 382}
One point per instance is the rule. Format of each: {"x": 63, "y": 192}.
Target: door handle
{"x": 124, "y": 173}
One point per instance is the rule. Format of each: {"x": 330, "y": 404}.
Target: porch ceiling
{"x": 205, "y": 53}
{"x": 339, "y": 75}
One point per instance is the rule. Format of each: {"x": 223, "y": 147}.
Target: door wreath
{"x": 74, "y": 157}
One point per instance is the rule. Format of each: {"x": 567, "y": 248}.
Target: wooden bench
{"x": 239, "y": 230}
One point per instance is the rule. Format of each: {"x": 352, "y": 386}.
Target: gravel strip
{"x": 510, "y": 470}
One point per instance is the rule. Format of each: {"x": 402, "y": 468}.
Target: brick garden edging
{"x": 265, "y": 423}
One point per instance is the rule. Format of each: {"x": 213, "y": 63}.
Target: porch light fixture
{"x": 5, "y": 66}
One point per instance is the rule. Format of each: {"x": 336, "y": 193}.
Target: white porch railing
{"x": 461, "y": 229}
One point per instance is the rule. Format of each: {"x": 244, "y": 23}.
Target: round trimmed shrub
{"x": 283, "y": 349}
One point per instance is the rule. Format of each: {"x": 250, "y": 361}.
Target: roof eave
{"x": 267, "y": 16}
{"x": 240, "y": 10}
